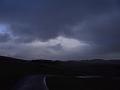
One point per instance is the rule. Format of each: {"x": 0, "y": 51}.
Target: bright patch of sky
{"x": 3, "y": 28}
{"x": 6, "y": 29}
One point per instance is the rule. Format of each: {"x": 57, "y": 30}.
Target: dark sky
{"x": 60, "y": 29}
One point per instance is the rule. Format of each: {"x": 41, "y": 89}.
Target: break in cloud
{"x": 60, "y": 29}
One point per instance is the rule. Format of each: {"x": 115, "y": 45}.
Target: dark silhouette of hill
{"x": 69, "y": 68}
{"x": 72, "y": 73}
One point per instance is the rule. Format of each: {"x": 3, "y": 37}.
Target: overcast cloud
{"x": 60, "y": 29}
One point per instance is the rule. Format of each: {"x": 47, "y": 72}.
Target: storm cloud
{"x": 60, "y": 29}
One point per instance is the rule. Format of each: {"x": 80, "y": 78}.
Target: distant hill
{"x": 70, "y": 68}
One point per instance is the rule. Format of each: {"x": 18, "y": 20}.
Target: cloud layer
{"x": 60, "y": 29}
